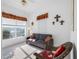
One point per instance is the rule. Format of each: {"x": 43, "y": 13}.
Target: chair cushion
{"x": 59, "y": 50}
{"x": 46, "y": 54}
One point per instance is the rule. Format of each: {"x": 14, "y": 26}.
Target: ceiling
{"x": 32, "y": 7}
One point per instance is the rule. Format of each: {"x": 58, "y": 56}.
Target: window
{"x": 8, "y": 32}
{"x": 20, "y": 32}
{"x": 12, "y": 29}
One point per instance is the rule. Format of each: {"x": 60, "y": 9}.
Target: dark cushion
{"x": 59, "y": 51}
{"x": 40, "y": 36}
{"x": 39, "y": 40}
{"x": 39, "y": 44}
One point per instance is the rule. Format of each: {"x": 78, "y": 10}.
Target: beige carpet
{"x": 25, "y": 52}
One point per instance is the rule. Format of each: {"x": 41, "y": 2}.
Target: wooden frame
{"x": 11, "y": 16}
{"x": 43, "y": 16}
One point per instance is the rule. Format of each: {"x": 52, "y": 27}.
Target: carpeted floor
{"x": 7, "y": 52}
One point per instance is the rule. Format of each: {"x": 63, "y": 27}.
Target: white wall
{"x": 64, "y": 8}
{"x": 34, "y": 28}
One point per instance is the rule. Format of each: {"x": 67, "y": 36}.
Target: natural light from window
{"x": 13, "y": 28}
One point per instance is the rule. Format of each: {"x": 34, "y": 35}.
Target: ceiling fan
{"x": 24, "y": 2}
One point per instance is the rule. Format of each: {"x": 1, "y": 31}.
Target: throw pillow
{"x": 59, "y": 51}
{"x": 46, "y": 54}
{"x": 32, "y": 40}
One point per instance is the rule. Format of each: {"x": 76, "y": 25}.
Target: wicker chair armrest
{"x": 38, "y": 56}
{"x": 68, "y": 46}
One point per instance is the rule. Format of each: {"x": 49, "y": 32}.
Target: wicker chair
{"x": 68, "y": 47}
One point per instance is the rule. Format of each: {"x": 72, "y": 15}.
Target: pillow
{"x": 59, "y": 51}
{"x": 32, "y": 40}
{"x": 32, "y": 36}
{"x": 46, "y": 54}
{"x": 47, "y": 39}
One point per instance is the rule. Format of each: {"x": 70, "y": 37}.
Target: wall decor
{"x": 42, "y": 17}
{"x": 11, "y": 16}
{"x": 57, "y": 17}
{"x": 32, "y": 23}
{"x": 61, "y": 22}
{"x": 53, "y": 23}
